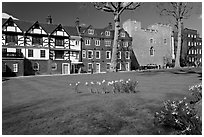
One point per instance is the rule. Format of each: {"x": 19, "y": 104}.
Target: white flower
{"x": 76, "y": 84}
{"x": 174, "y": 113}
{"x": 70, "y": 84}
{"x": 121, "y": 80}
{"x": 129, "y": 79}
{"x": 92, "y": 82}
{"x": 79, "y": 82}
{"x": 86, "y": 83}
{"x": 104, "y": 81}
{"x": 116, "y": 81}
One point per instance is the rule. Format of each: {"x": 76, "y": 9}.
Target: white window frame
{"x": 189, "y": 59}
{"x": 127, "y": 64}
{"x": 88, "y": 42}
{"x": 119, "y": 66}
{"x": 90, "y": 31}
{"x": 192, "y": 51}
{"x": 192, "y": 59}
{"x": 107, "y": 33}
{"x": 107, "y": 43}
{"x": 15, "y": 67}
{"x": 108, "y": 52}
{"x": 189, "y": 43}
{"x": 194, "y": 43}
{"x": 89, "y": 69}
{"x": 97, "y": 42}
{"x": 119, "y": 54}
{"x": 91, "y": 54}
{"x": 125, "y": 44}
{"x": 99, "y": 54}
{"x": 107, "y": 65}
{"x": 84, "y": 54}
{"x": 189, "y": 52}
{"x": 99, "y": 67}
{"x": 200, "y": 51}
{"x": 127, "y": 52}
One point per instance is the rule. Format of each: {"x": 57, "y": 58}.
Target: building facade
{"x": 191, "y": 47}
{"x": 97, "y": 49}
{"x": 151, "y": 46}
{"x": 36, "y": 48}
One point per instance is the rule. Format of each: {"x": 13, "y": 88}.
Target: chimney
{"x": 110, "y": 25}
{"x": 77, "y": 22}
{"x": 49, "y": 19}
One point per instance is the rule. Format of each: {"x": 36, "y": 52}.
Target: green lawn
{"x": 48, "y": 105}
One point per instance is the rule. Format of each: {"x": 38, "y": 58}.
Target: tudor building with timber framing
{"x": 36, "y": 48}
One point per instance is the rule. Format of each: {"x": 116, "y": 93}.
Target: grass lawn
{"x": 48, "y": 105}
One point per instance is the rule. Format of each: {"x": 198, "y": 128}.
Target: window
{"x": 189, "y": 52}
{"x": 119, "y": 66}
{"x": 54, "y": 66}
{"x": 18, "y": 51}
{"x": 30, "y": 53}
{"x": 4, "y": 50}
{"x": 119, "y": 54}
{"x": 189, "y": 43}
{"x": 90, "y": 54}
{"x": 127, "y": 67}
{"x": 189, "y": 59}
{"x": 200, "y": 51}
{"x": 36, "y": 66}
{"x": 97, "y": 55}
{"x": 37, "y": 40}
{"x": 84, "y": 54}
{"x": 108, "y": 54}
{"x": 194, "y": 36}
{"x": 42, "y": 53}
{"x": 125, "y": 44}
{"x": 4, "y": 67}
{"x": 192, "y": 59}
{"x": 108, "y": 66}
{"x": 87, "y": 42}
{"x": 192, "y": 51}
{"x": 90, "y": 31}
{"x": 189, "y": 35}
{"x": 151, "y": 40}
{"x": 77, "y": 42}
{"x": 59, "y": 42}
{"x": 15, "y": 67}
{"x": 107, "y": 43}
{"x": 107, "y": 33}
{"x": 195, "y": 51}
{"x": 90, "y": 66}
{"x": 165, "y": 42}
{"x": 11, "y": 38}
{"x": 97, "y": 42}
{"x": 151, "y": 51}
{"x": 194, "y": 43}
{"x": 122, "y": 34}
{"x": 127, "y": 55}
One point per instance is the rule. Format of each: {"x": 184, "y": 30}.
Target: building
{"x": 151, "y": 46}
{"x": 35, "y": 48}
{"x": 191, "y": 47}
{"x": 97, "y": 49}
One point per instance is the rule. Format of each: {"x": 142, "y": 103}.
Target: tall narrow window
{"x": 90, "y": 66}
{"x": 42, "y": 53}
{"x": 107, "y": 33}
{"x": 127, "y": 55}
{"x": 108, "y": 54}
{"x": 59, "y": 42}
{"x": 87, "y": 42}
{"x": 36, "y": 66}
{"x": 108, "y": 66}
{"x": 90, "y": 54}
{"x": 15, "y": 67}
{"x": 151, "y": 51}
{"x": 30, "y": 53}
{"x": 119, "y": 54}
{"x": 97, "y": 42}
{"x": 151, "y": 40}
{"x": 97, "y": 54}
{"x": 84, "y": 54}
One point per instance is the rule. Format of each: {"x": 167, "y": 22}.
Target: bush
{"x": 180, "y": 116}
{"x": 196, "y": 92}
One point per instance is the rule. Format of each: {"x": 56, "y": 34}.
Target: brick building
{"x": 151, "y": 46}
{"x": 97, "y": 49}
{"x": 191, "y": 47}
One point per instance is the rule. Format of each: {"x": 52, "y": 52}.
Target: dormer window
{"x": 122, "y": 34}
{"x": 107, "y": 33}
{"x": 90, "y": 31}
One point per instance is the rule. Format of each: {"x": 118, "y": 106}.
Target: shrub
{"x": 180, "y": 116}
{"x": 196, "y": 92}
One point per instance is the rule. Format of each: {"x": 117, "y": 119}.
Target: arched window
{"x": 151, "y": 51}
{"x": 36, "y": 66}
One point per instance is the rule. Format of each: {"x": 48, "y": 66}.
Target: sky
{"x": 65, "y": 13}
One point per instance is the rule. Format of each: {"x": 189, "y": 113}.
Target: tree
{"x": 179, "y": 11}
{"x": 116, "y": 8}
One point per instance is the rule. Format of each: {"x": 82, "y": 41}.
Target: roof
{"x": 49, "y": 28}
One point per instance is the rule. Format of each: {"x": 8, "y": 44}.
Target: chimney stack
{"x": 77, "y": 22}
{"x": 49, "y": 19}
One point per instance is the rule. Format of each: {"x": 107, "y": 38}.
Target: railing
{"x": 12, "y": 54}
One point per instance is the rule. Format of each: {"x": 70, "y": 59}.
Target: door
{"x": 97, "y": 67}
{"x": 65, "y": 68}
